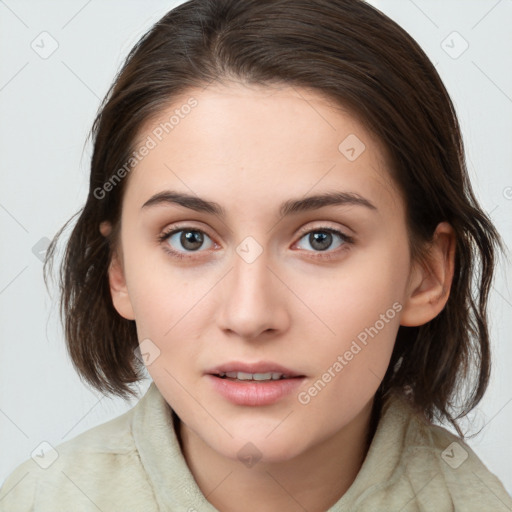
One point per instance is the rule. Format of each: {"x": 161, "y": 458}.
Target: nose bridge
{"x": 253, "y": 301}
{"x": 251, "y": 281}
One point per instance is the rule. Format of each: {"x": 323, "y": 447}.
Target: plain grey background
{"x": 57, "y": 61}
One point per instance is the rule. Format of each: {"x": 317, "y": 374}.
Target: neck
{"x": 314, "y": 480}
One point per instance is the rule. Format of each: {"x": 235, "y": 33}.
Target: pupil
{"x": 320, "y": 240}
{"x": 191, "y": 239}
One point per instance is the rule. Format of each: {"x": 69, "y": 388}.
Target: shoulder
{"x": 439, "y": 469}
{"x": 76, "y": 469}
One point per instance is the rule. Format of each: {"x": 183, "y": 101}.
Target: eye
{"x": 178, "y": 242}
{"x": 321, "y": 239}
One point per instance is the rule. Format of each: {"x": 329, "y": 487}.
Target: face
{"x": 314, "y": 289}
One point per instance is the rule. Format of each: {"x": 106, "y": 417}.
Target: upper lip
{"x": 259, "y": 367}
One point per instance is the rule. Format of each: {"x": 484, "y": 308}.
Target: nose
{"x": 253, "y": 299}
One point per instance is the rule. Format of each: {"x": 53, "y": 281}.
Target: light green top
{"x": 133, "y": 463}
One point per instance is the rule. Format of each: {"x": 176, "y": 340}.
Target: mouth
{"x": 254, "y": 377}
{"x": 258, "y": 384}
{"x": 253, "y": 372}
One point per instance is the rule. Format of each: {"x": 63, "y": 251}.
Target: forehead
{"x": 258, "y": 142}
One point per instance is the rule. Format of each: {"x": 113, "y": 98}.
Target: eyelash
{"x": 348, "y": 241}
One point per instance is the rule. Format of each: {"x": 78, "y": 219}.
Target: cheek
{"x": 351, "y": 361}
{"x": 354, "y": 297}
{"x": 360, "y": 312}
{"x": 159, "y": 292}
{"x": 172, "y": 311}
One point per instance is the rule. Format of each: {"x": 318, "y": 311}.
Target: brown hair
{"x": 353, "y": 54}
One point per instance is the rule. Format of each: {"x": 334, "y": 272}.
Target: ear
{"x": 118, "y": 289}
{"x": 429, "y": 283}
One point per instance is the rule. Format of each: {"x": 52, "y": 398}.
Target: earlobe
{"x": 430, "y": 283}
{"x": 119, "y": 290}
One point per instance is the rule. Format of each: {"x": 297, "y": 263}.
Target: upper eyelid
{"x": 305, "y": 229}
{"x": 172, "y": 230}
{"x": 324, "y": 226}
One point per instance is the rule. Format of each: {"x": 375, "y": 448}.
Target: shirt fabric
{"x": 134, "y": 463}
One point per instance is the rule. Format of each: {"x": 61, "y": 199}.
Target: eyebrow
{"x": 289, "y": 207}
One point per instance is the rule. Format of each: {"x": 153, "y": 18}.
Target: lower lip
{"x": 254, "y": 392}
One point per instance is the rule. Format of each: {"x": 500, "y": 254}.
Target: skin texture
{"x": 250, "y": 149}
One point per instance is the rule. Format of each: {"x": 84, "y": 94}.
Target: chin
{"x": 259, "y": 448}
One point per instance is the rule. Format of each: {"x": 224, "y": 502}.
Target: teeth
{"x": 253, "y": 376}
